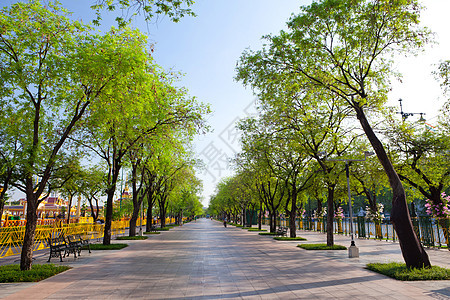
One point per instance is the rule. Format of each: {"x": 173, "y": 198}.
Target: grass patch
{"x": 256, "y": 229}
{"x": 399, "y": 271}
{"x": 105, "y": 247}
{"x": 267, "y": 233}
{"x": 163, "y": 229}
{"x": 152, "y": 232}
{"x": 132, "y": 238}
{"x": 12, "y": 273}
{"x": 238, "y": 225}
{"x": 287, "y": 238}
{"x": 321, "y": 247}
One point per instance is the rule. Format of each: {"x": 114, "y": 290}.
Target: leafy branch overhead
{"x": 150, "y": 9}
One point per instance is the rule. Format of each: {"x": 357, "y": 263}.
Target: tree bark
{"x": 149, "y": 215}
{"x": 293, "y": 213}
{"x": 413, "y": 252}
{"x": 26, "y": 258}
{"x": 108, "y": 216}
{"x": 117, "y": 157}
{"x": 133, "y": 221}
{"x": 260, "y": 216}
{"x": 162, "y": 212}
{"x": 2, "y": 205}
{"x": 330, "y": 215}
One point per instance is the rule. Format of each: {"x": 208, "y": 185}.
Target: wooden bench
{"x": 153, "y": 228}
{"x": 281, "y": 231}
{"x": 58, "y": 245}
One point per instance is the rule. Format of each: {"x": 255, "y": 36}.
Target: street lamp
{"x": 406, "y": 115}
{"x": 353, "y": 251}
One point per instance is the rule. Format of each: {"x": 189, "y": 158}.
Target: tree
{"x": 423, "y": 162}
{"x": 45, "y": 93}
{"x": 143, "y": 103}
{"x": 137, "y": 160}
{"x": 175, "y": 10}
{"x": 346, "y": 48}
{"x": 93, "y": 187}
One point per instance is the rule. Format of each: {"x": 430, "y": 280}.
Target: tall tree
{"x": 43, "y": 70}
{"x": 93, "y": 187}
{"x": 346, "y": 47}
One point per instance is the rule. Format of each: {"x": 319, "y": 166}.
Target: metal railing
{"x": 11, "y": 238}
{"x": 430, "y": 231}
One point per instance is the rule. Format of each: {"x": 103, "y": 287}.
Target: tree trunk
{"x": 69, "y": 208}
{"x": 330, "y": 215}
{"x": 110, "y": 197}
{"x": 273, "y": 225}
{"x": 260, "y": 216}
{"x": 26, "y": 258}
{"x": 133, "y": 221}
{"x": 162, "y": 214}
{"x": 293, "y": 213}
{"x": 149, "y": 216}
{"x": 108, "y": 216}
{"x": 2, "y": 205}
{"x": 412, "y": 251}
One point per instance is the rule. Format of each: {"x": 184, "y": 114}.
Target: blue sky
{"x": 207, "y": 47}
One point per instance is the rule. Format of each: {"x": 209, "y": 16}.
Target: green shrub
{"x": 287, "y": 238}
{"x": 267, "y": 233}
{"x": 163, "y": 229}
{"x": 238, "y": 225}
{"x": 152, "y": 232}
{"x": 130, "y": 238}
{"x": 256, "y": 229}
{"x": 321, "y": 247}
{"x": 105, "y": 247}
{"x": 12, "y": 273}
{"x": 399, "y": 271}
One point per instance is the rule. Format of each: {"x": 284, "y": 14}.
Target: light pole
{"x": 406, "y": 115}
{"x": 353, "y": 251}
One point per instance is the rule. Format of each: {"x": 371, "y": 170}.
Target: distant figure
{"x": 225, "y": 222}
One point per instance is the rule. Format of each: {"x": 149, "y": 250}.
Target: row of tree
{"x": 333, "y": 66}
{"x": 77, "y": 106}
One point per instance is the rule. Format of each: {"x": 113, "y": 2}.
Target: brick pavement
{"x": 204, "y": 260}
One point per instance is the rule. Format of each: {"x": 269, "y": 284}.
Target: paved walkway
{"x": 204, "y": 260}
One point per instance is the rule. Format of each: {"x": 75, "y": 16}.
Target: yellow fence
{"x": 11, "y": 238}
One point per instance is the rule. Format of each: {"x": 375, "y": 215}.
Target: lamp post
{"x": 406, "y": 115}
{"x": 353, "y": 251}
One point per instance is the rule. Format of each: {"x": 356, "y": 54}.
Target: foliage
{"x": 256, "y": 229}
{"x": 320, "y": 214}
{"x": 105, "y": 247}
{"x": 175, "y": 10}
{"x": 321, "y": 247}
{"x": 376, "y": 215}
{"x": 420, "y": 151}
{"x": 163, "y": 229}
{"x": 131, "y": 238}
{"x": 287, "y": 238}
{"x": 440, "y": 210}
{"x": 12, "y": 273}
{"x": 399, "y": 271}
{"x": 339, "y": 213}
{"x": 152, "y": 232}
{"x": 344, "y": 50}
